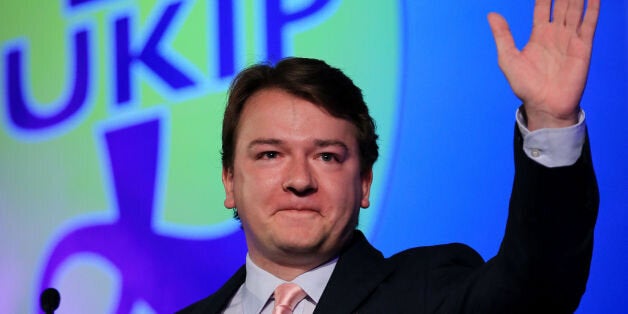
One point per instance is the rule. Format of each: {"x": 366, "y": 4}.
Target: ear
{"x": 227, "y": 183}
{"x": 367, "y": 180}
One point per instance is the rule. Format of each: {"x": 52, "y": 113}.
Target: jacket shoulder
{"x": 452, "y": 253}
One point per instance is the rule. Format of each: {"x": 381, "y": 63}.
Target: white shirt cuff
{"x": 553, "y": 147}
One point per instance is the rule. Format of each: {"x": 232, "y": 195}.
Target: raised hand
{"x": 549, "y": 74}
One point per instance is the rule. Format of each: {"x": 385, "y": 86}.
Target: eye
{"x": 328, "y": 157}
{"x": 267, "y": 155}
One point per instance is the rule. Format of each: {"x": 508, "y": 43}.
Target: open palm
{"x": 549, "y": 74}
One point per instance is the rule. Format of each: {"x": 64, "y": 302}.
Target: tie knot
{"x": 287, "y": 296}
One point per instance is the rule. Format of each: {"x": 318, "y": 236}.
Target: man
{"x": 298, "y": 150}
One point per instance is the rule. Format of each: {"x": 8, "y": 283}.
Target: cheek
{"x": 254, "y": 187}
{"x": 346, "y": 194}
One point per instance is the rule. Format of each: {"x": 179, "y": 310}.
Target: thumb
{"x": 502, "y": 35}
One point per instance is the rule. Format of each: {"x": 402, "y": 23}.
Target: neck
{"x": 290, "y": 267}
{"x": 287, "y": 265}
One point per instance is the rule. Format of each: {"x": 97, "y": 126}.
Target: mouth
{"x": 297, "y": 210}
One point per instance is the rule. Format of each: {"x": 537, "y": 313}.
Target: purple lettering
{"x": 276, "y": 21}
{"x": 149, "y": 55}
{"x": 20, "y": 111}
{"x": 226, "y": 39}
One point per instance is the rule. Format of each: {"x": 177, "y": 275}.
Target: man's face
{"x": 296, "y": 179}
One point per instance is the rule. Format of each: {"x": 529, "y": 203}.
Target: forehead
{"x": 275, "y": 113}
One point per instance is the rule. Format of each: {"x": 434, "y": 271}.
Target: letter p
{"x": 278, "y": 18}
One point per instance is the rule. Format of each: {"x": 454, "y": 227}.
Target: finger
{"x": 542, "y": 9}
{"x": 560, "y": 11}
{"x": 501, "y": 33}
{"x": 587, "y": 29}
{"x": 574, "y": 14}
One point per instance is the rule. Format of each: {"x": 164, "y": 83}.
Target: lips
{"x": 297, "y": 209}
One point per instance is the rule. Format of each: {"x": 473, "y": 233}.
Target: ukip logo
{"x": 157, "y": 263}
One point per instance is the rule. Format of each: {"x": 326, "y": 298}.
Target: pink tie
{"x": 287, "y": 296}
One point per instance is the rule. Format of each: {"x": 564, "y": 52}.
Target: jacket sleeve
{"x": 543, "y": 262}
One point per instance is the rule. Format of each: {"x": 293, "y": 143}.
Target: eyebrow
{"x": 317, "y": 142}
{"x": 264, "y": 141}
{"x": 327, "y": 143}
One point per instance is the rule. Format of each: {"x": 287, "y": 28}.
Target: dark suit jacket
{"x": 542, "y": 265}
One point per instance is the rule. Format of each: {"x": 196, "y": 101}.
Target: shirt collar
{"x": 259, "y": 284}
{"x": 315, "y": 280}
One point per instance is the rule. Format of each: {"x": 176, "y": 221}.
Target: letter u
{"x": 22, "y": 114}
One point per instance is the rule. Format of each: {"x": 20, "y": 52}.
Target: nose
{"x": 299, "y": 178}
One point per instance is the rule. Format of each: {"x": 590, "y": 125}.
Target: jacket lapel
{"x": 359, "y": 271}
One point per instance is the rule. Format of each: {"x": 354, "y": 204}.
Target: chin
{"x": 301, "y": 243}
{"x": 302, "y": 250}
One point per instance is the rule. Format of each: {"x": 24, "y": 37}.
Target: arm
{"x": 547, "y": 247}
{"x": 543, "y": 262}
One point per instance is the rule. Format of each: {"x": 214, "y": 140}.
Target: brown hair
{"x": 312, "y": 80}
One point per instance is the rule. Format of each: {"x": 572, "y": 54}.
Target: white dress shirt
{"x": 254, "y": 296}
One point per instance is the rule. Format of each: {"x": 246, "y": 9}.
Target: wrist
{"x": 536, "y": 120}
